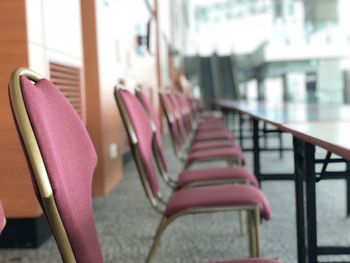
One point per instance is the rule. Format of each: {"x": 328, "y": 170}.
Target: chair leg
{"x": 162, "y": 225}
{"x": 243, "y": 221}
{"x": 257, "y": 221}
{"x": 234, "y": 161}
{"x": 254, "y": 232}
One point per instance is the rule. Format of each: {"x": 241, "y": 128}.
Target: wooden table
{"x": 325, "y": 126}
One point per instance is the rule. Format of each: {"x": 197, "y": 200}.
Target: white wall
{"x": 54, "y": 33}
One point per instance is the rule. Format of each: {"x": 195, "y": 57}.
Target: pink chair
{"x": 61, "y": 159}
{"x": 2, "y": 218}
{"x": 200, "y": 150}
{"x": 189, "y": 200}
{"x": 209, "y": 176}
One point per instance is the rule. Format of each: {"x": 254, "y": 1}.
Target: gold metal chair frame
{"x": 37, "y": 163}
{"x": 134, "y": 150}
{"x": 156, "y": 151}
{"x": 253, "y": 219}
{"x": 252, "y": 210}
{"x": 170, "y": 119}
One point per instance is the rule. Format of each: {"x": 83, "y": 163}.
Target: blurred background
{"x": 269, "y": 49}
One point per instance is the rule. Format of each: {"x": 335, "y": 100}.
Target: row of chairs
{"x": 62, "y": 159}
{"x": 199, "y": 190}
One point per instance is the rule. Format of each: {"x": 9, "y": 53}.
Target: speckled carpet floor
{"x": 126, "y": 223}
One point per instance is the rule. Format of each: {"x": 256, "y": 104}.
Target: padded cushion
{"x": 208, "y": 135}
{"x": 70, "y": 160}
{"x": 211, "y": 127}
{"x": 203, "y": 145}
{"x": 250, "y": 260}
{"x": 215, "y": 153}
{"x": 205, "y": 123}
{"x": 218, "y": 196}
{"x": 2, "y": 218}
{"x": 140, "y": 123}
{"x": 212, "y": 116}
{"x": 225, "y": 173}
{"x": 155, "y": 118}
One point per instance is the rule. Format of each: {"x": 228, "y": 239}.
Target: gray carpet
{"x": 126, "y": 223}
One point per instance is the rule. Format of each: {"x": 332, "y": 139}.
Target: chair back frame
{"x": 155, "y": 147}
{"x": 36, "y": 161}
{"x": 172, "y": 127}
{"x": 134, "y": 150}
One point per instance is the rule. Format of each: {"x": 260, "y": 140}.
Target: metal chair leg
{"x": 243, "y": 221}
{"x": 254, "y": 232}
{"x": 162, "y": 225}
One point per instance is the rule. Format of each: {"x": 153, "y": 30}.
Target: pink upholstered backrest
{"x": 143, "y": 131}
{"x": 155, "y": 118}
{"x": 2, "y": 218}
{"x": 168, "y": 108}
{"x": 186, "y": 111}
{"x": 70, "y": 160}
{"x": 178, "y": 115}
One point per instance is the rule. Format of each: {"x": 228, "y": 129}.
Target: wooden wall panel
{"x": 12, "y": 21}
{"x": 16, "y": 191}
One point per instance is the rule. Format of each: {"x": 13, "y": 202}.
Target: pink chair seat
{"x": 2, "y": 218}
{"x": 213, "y": 117}
{"x": 198, "y": 146}
{"x": 212, "y": 135}
{"x": 215, "y": 154}
{"x": 226, "y": 173}
{"x": 218, "y": 196}
{"x": 211, "y": 127}
{"x": 250, "y": 260}
{"x": 211, "y": 123}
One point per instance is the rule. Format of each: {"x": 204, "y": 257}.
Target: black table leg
{"x": 256, "y": 149}
{"x": 225, "y": 113}
{"x": 281, "y": 144}
{"x": 298, "y": 147}
{"x": 240, "y": 129}
{"x": 311, "y": 214}
{"x": 348, "y": 189}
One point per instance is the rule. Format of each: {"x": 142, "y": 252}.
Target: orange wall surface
{"x": 16, "y": 191}
{"x": 32, "y": 34}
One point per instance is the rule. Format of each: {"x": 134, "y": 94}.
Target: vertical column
{"x": 311, "y": 87}
{"x": 244, "y": 91}
{"x": 261, "y": 89}
{"x": 285, "y": 89}
{"x": 346, "y": 85}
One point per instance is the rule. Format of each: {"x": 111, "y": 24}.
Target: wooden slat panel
{"x": 67, "y": 79}
{"x": 59, "y": 75}
{"x": 66, "y": 69}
